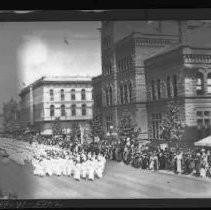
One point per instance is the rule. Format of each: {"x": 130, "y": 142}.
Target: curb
{"x": 188, "y": 176}
{"x": 184, "y": 176}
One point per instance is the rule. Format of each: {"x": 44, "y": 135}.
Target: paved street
{"x": 119, "y": 181}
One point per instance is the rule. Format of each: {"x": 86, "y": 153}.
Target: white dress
{"x": 91, "y": 171}
{"x": 99, "y": 170}
{"x": 84, "y": 170}
{"x": 77, "y": 172}
{"x": 202, "y": 172}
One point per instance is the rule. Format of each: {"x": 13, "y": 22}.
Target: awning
{"x": 206, "y": 142}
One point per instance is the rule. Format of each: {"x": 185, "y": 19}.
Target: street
{"x": 119, "y": 181}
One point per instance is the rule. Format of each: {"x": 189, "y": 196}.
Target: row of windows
{"x": 156, "y": 88}
{"x": 203, "y": 122}
{"x": 107, "y": 68}
{"x": 62, "y": 95}
{"x": 125, "y": 91}
{"x": 63, "y": 110}
{"x": 124, "y": 64}
{"x": 200, "y": 83}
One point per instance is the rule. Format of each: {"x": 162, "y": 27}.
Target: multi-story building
{"x": 69, "y": 98}
{"x": 123, "y": 74}
{"x": 97, "y": 95}
{"x": 182, "y": 74}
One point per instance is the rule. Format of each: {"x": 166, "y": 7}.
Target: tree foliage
{"x": 172, "y": 126}
{"x": 128, "y": 129}
{"x": 56, "y": 127}
{"x": 11, "y": 117}
{"x": 76, "y": 132}
{"x": 97, "y": 127}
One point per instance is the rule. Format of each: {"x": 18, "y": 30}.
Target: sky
{"x": 30, "y": 50}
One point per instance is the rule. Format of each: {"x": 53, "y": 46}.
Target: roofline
{"x": 143, "y": 35}
{"x": 174, "y": 49}
{"x": 41, "y": 81}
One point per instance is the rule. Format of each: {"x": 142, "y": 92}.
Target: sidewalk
{"x": 188, "y": 176}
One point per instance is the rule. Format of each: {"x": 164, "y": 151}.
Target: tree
{"x": 172, "y": 126}
{"x": 11, "y": 117}
{"x": 76, "y": 132}
{"x": 56, "y": 127}
{"x": 97, "y": 127}
{"x": 128, "y": 129}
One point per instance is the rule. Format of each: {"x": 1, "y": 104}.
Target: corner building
{"x": 123, "y": 71}
{"x": 69, "y": 98}
{"x": 182, "y": 74}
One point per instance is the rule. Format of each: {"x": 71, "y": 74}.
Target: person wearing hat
{"x": 198, "y": 164}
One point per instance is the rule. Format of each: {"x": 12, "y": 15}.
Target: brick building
{"x": 182, "y": 74}
{"x": 97, "y": 95}
{"x": 123, "y": 74}
{"x": 69, "y": 98}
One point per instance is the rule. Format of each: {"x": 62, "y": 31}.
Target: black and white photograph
{"x": 105, "y": 109}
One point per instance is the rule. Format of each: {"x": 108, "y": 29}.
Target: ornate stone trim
{"x": 153, "y": 42}
{"x": 197, "y": 58}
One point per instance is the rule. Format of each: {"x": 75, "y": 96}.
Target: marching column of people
{"x": 83, "y": 164}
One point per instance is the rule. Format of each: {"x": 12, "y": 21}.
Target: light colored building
{"x": 69, "y": 98}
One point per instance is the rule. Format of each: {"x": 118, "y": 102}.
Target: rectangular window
{"x": 206, "y": 113}
{"x": 158, "y": 89}
{"x": 207, "y": 123}
{"x": 199, "y": 113}
{"x": 175, "y": 85}
{"x": 168, "y": 87}
{"x": 153, "y": 90}
{"x": 108, "y": 123}
{"x": 156, "y": 125}
{"x": 199, "y": 124}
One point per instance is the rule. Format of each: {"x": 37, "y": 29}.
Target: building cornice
{"x": 42, "y": 81}
{"x": 149, "y": 40}
{"x": 196, "y": 59}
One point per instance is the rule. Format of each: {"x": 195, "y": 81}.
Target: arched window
{"x": 175, "y": 85}
{"x": 107, "y": 96}
{"x": 199, "y": 83}
{"x": 209, "y": 83}
{"x": 52, "y": 110}
{"x": 84, "y": 109}
{"x": 168, "y": 85}
{"x": 62, "y": 94}
{"x": 158, "y": 89}
{"x": 121, "y": 94}
{"x": 83, "y": 94}
{"x": 153, "y": 90}
{"x": 73, "y": 109}
{"x": 110, "y": 95}
{"x": 63, "y": 110}
{"x": 73, "y": 94}
{"x": 125, "y": 93}
{"x": 130, "y": 92}
{"x": 51, "y": 95}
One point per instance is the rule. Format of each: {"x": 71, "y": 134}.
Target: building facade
{"x": 123, "y": 73}
{"x": 182, "y": 74}
{"x": 69, "y": 98}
